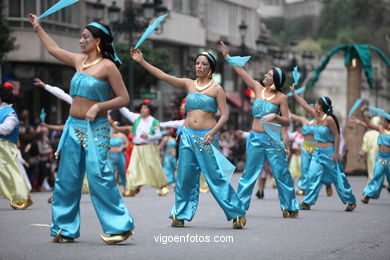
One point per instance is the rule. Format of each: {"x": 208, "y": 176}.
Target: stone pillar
{"x": 354, "y": 132}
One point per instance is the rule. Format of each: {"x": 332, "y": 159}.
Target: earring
{"x": 210, "y": 75}
{"x": 273, "y": 88}
{"x": 97, "y": 47}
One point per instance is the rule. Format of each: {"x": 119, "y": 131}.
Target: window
{"x": 65, "y": 20}
{"x": 186, "y": 6}
{"x": 15, "y": 8}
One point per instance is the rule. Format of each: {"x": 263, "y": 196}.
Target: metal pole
{"x": 242, "y": 90}
{"x": 130, "y": 76}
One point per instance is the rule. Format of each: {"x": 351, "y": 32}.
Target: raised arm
{"x": 53, "y": 127}
{"x": 359, "y": 122}
{"x": 179, "y": 83}
{"x": 299, "y": 119}
{"x": 302, "y": 102}
{"x": 173, "y": 124}
{"x": 367, "y": 121}
{"x": 67, "y": 57}
{"x": 131, "y": 116}
{"x": 56, "y": 91}
{"x": 249, "y": 81}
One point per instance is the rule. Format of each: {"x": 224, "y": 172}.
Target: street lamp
{"x": 262, "y": 44}
{"x": 98, "y": 6}
{"x": 293, "y": 50}
{"x": 242, "y": 28}
{"x": 161, "y": 9}
{"x": 113, "y": 12}
{"x": 148, "y": 9}
{"x": 132, "y": 24}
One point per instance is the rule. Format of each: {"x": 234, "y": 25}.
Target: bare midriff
{"x": 308, "y": 137}
{"x": 324, "y": 144}
{"x": 198, "y": 119}
{"x": 384, "y": 148}
{"x": 116, "y": 149}
{"x": 171, "y": 150}
{"x": 258, "y": 127}
{"x": 81, "y": 105}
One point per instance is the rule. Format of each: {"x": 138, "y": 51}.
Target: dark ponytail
{"x": 278, "y": 77}
{"x": 326, "y": 105}
{"x": 106, "y": 40}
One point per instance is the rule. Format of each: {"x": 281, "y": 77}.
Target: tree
{"x": 340, "y": 22}
{"x": 354, "y": 22}
{"x": 7, "y": 42}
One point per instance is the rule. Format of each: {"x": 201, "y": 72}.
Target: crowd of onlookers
{"x": 37, "y": 145}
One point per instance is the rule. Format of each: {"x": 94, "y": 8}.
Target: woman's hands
{"x": 34, "y": 20}
{"x": 269, "y": 117}
{"x": 292, "y": 88}
{"x": 92, "y": 112}
{"x": 336, "y": 156}
{"x": 39, "y": 82}
{"x": 224, "y": 49}
{"x": 136, "y": 55}
{"x": 208, "y": 138}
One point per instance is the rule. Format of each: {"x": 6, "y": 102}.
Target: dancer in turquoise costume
{"x": 85, "y": 139}
{"x": 270, "y": 111}
{"x": 325, "y": 159}
{"x": 198, "y": 140}
{"x": 307, "y": 150}
{"x": 116, "y": 155}
{"x": 169, "y": 156}
{"x": 382, "y": 160}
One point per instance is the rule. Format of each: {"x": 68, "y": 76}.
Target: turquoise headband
{"x": 326, "y": 103}
{"x": 210, "y": 57}
{"x": 104, "y": 29}
{"x": 279, "y": 71}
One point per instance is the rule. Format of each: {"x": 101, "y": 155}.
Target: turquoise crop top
{"x": 308, "y": 130}
{"x": 384, "y": 139}
{"x": 202, "y": 102}
{"x": 171, "y": 144}
{"x": 323, "y": 134}
{"x": 261, "y": 108}
{"x": 87, "y": 86}
{"x": 116, "y": 141}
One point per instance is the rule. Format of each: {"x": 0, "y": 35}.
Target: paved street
{"x": 325, "y": 232}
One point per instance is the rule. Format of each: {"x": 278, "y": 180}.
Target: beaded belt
{"x": 309, "y": 146}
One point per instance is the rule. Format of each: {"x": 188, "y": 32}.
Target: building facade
{"x": 191, "y": 27}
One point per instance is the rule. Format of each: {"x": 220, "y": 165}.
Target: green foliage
{"x": 283, "y": 31}
{"x": 356, "y": 22}
{"x": 6, "y": 40}
{"x": 309, "y": 45}
{"x": 340, "y": 22}
{"x": 142, "y": 79}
